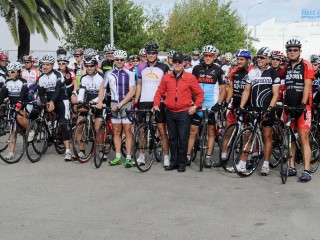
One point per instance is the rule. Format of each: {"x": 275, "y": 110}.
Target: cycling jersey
{"x": 15, "y": 89}
{"x": 89, "y": 88}
{"x": 150, "y": 79}
{"x": 210, "y": 80}
{"x": 261, "y": 86}
{"x": 239, "y": 77}
{"x": 69, "y": 78}
{"x": 3, "y": 70}
{"x": 107, "y": 65}
{"x": 31, "y": 75}
{"x": 120, "y": 81}
{"x": 195, "y": 62}
{"x": 2, "y": 80}
{"x": 316, "y": 82}
{"x": 189, "y": 69}
{"x": 52, "y": 87}
{"x": 294, "y": 82}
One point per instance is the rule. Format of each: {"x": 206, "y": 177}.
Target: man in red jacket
{"x": 178, "y": 87}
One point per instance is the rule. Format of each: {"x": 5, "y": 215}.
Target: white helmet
{"x": 142, "y": 52}
{"x": 170, "y": 53}
{"x": 62, "y": 58}
{"x": 90, "y": 52}
{"x": 264, "y": 51}
{"x": 210, "y": 49}
{"x": 120, "y": 54}
{"x": 228, "y": 56}
{"x": 14, "y": 66}
{"x": 47, "y": 59}
{"x": 109, "y": 48}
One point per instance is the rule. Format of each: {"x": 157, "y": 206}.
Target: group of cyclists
{"x": 229, "y": 81}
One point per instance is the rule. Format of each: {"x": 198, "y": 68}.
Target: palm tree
{"x": 26, "y": 17}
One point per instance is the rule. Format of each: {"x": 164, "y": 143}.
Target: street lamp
{"x": 111, "y": 23}
{"x": 247, "y": 40}
{"x": 284, "y": 28}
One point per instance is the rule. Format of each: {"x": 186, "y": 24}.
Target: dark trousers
{"x": 178, "y": 125}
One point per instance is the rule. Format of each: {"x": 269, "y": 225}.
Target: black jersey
{"x": 15, "y": 89}
{"x": 239, "y": 78}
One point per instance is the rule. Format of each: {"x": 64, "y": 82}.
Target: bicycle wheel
{"x": 103, "y": 144}
{"x": 277, "y": 132}
{"x": 83, "y": 139}
{"x": 58, "y": 142}
{"x": 144, "y": 143}
{"x": 228, "y": 136}
{"x": 14, "y": 138}
{"x": 285, "y": 156}
{"x": 248, "y": 143}
{"x": 314, "y": 145}
{"x": 37, "y": 145}
{"x": 203, "y": 147}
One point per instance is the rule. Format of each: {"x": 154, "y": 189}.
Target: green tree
{"x": 26, "y": 17}
{"x": 195, "y": 23}
{"x": 94, "y": 32}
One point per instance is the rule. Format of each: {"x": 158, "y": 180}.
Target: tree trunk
{"x": 24, "y": 38}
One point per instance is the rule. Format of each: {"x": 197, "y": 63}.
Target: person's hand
{"x": 134, "y": 105}
{"x": 99, "y": 105}
{"x": 156, "y": 109}
{"x": 192, "y": 110}
{"x": 301, "y": 107}
{"x": 216, "y": 107}
{"x": 115, "y": 108}
{"x": 239, "y": 110}
{"x": 224, "y": 104}
{"x": 50, "y": 106}
{"x": 18, "y": 106}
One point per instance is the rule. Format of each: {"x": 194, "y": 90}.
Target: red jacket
{"x": 179, "y": 92}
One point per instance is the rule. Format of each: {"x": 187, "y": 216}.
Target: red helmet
{"x": 3, "y": 56}
{"x": 277, "y": 53}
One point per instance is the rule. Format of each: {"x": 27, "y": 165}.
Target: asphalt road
{"x": 53, "y": 199}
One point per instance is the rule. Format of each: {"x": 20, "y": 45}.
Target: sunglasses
{"x": 293, "y": 50}
{"x": 12, "y": 72}
{"x": 151, "y": 52}
{"x": 109, "y": 53}
{"x": 276, "y": 59}
{"x": 90, "y": 66}
{"x": 119, "y": 60}
{"x": 177, "y": 61}
{"x": 62, "y": 63}
{"x": 261, "y": 58}
{"x": 315, "y": 64}
{"x": 144, "y": 56}
{"x": 208, "y": 55}
{"x": 27, "y": 62}
{"x": 136, "y": 61}
{"x": 76, "y": 56}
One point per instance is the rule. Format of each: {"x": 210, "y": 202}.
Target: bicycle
{"x": 289, "y": 137}
{"x": 12, "y": 138}
{"x": 44, "y": 132}
{"x": 104, "y": 140}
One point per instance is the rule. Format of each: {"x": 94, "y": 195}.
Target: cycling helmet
{"x": 90, "y": 52}
{"x": 61, "y": 51}
{"x": 276, "y": 53}
{"x": 293, "y": 43}
{"x": 187, "y": 58}
{"x": 210, "y": 49}
{"x": 245, "y": 53}
{"x": 14, "y": 66}
{"x": 142, "y": 51}
{"x": 47, "y": 59}
{"x": 314, "y": 58}
{"x": 264, "y": 51}
{"x": 109, "y": 48}
{"x": 151, "y": 47}
{"x": 222, "y": 58}
{"x": 120, "y": 54}
{"x": 228, "y": 56}
{"x": 3, "y": 56}
{"x": 233, "y": 61}
{"x": 78, "y": 51}
{"x": 27, "y": 58}
{"x": 135, "y": 57}
{"x": 90, "y": 60}
{"x": 195, "y": 52}
{"x": 63, "y": 58}
{"x": 170, "y": 53}
{"x": 254, "y": 60}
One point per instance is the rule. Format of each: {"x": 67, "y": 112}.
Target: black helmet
{"x": 152, "y": 47}
{"x": 187, "y": 58}
{"x": 293, "y": 43}
{"x": 61, "y": 51}
{"x": 264, "y": 51}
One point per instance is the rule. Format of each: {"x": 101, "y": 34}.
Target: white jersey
{"x": 195, "y": 62}
{"x": 89, "y": 88}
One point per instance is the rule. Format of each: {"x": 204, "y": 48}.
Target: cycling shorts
{"x": 196, "y": 119}
{"x": 160, "y": 117}
{"x": 299, "y": 122}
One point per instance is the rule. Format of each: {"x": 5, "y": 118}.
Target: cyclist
{"x": 52, "y": 91}
{"x": 78, "y": 66}
{"x": 108, "y": 63}
{"x": 31, "y": 74}
{"x": 298, "y": 75}
{"x": 88, "y": 92}
{"x": 16, "y": 89}
{"x": 195, "y": 58}
{"x": 122, "y": 86}
{"x": 169, "y": 59}
{"x": 60, "y": 51}
{"x": 316, "y": 83}
{"x": 143, "y": 55}
{"x": 238, "y": 79}
{"x": 150, "y": 75}
{"x": 226, "y": 66}
{"x": 262, "y": 87}
{"x": 187, "y": 66}
{"x": 3, "y": 64}
{"x": 209, "y": 76}
{"x": 276, "y": 60}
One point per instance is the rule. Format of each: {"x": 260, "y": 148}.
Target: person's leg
{"x": 129, "y": 138}
{"x": 267, "y": 139}
{"x": 172, "y": 131}
{"x": 117, "y": 129}
{"x": 183, "y": 122}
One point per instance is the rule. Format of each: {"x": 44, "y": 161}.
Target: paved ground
{"x": 57, "y": 200}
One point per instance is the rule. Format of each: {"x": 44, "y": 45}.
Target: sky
{"x": 250, "y": 10}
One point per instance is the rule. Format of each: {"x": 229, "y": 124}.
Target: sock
{"x": 128, "y": 157}
{"x": 208, "y": 156}
{"x": 83, "y": 151}
{"x": 118, "y": 155}
{"x": 68, "y": 150}
{"x": 266, "y": 164}
{"x": 166, "y": 157}
{"x": 308, "y": 171}
{"x": 141, "y": 155}
{"x": 188, "y": 156}
{"x": 249, "y": 157}
{"x": 224, "y": 155}
{"x": 242, "y": 164}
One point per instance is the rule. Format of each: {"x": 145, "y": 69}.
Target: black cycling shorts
{"x": 160, "y": 117}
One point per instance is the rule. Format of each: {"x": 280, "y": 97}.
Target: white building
{"x": 274, "y": 34}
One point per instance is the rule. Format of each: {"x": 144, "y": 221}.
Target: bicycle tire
{"x": 141, "y": 143}
{"x": 40, "y": 135}
{"x": 234, "y": 127}
{"x": 102, "y": 144}
{"x": 88, "y": 135}
{"x": 314, "y": 145}
{"x": 285, "y": 156}
{"x": 203, "y": 147}
{"x": 240, "y": 144}
{"x": 277, "y": 132}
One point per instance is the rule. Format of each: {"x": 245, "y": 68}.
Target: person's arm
{"x": 198, "y": 93}
{"x": 230, "y": 92}
{"x": 160, "y": 93}
{"x": 132, "y": 90}
{"x": 59, "y": 85}
{"x": 138, "y": 90}
{"x": 24, "y": 92}
{"x": 222, "y": 94}
{"x": 245, "y": 95}
{"x": 275, "y": 95}
{"x": 306, "y": 90}
{"x": 3, "y": 94}
{"x": 42, "y": 96}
